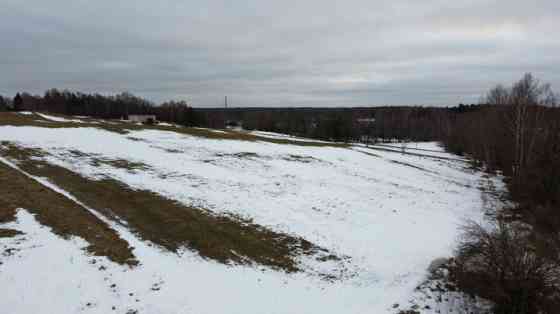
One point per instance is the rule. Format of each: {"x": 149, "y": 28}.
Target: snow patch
{"x": 58, "y": 119}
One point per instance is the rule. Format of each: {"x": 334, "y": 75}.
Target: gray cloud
{"x": 282, "y": 53}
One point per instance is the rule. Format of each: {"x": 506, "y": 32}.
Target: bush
{"x": 150, "y": 121}
{"x": 501, "y": 263}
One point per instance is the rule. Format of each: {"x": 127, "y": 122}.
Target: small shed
{"x": 142, "y": 118}
{"x": 366, "y": 121}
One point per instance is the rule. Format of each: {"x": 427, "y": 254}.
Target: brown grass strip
{"x": 9, "y": 233}
{"x": 62, "y": 215}
{"x": 173, "y": 225}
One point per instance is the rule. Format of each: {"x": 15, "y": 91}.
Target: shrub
{"x": 501, "y": 263}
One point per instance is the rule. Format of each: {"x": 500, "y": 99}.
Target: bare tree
{"x": 498, "y": 95}
{"x": 500, "y": 263}
{"x": 525, "y": 100}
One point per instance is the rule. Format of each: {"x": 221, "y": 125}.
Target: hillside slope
{"x": 331, "y": 228}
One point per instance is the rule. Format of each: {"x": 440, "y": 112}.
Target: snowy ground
{"x": 392, "y": 214}
{"x": 434, "y": 146}
{"x": 429, "y": 149}
{"x": 280, "y": 136}
{"x": 57, "y": 119}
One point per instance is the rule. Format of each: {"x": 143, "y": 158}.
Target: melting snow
{"x": 392, "y": 214}
{"x": 57, "y": 119}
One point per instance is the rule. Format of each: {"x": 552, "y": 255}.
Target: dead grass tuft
{"x": 300, "y": 158}
{"x": 131, "y": 166}
{"x": 9, "y": 233}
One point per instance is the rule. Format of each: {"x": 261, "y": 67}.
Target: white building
{"x": 366, "y": 121}
{"x": 142, "y": 118}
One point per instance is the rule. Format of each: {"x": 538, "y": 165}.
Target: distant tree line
{"x": 118, "y": 106}
{"x": 339, "y": 124}
{"x": 336, "y": 124}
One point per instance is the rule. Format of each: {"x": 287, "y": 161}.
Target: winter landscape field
{"x": 112, "y": 217}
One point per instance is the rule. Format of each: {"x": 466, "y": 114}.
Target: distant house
{"x": 366, "y": 121}
{"x": 142, "y": 118}
{"x": 234, "y": 124}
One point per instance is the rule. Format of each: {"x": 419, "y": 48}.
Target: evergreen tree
{"x": 3, "y": 104}
{"x": 18, "y": 102}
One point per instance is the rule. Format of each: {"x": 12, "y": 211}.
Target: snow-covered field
{"x": 392, "y": 214}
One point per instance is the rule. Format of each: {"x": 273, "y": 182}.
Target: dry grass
{"x": 6, "y": 215}
{"x": 171, "y": 225}
{"x": 14, "y": 119}
{"x": 302, "y": 159}
{"x": 95, "y": 160}
{"x": 120, "y": 163}
{"x": 65, "y": 217}
{"x": 9, "y": 233}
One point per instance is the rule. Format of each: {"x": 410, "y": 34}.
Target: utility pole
{"x": 226, "y": 112}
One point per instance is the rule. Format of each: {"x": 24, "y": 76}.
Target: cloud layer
{"x": 281, "y": 53}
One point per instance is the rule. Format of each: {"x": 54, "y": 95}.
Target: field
{"x": 112, "y": 217}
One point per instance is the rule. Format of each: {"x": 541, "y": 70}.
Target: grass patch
{"x": 9, "y": 233}
{"x": 63, "y": 216}
{"x": 241, "y": 155}
{"x": 174, "y": 151}
{"x": 135, "y": 139}
{"x": 299, "y": 158}
{"x": 131, "y": 166}
{"x": 16, "y": 119}
{"x": 95, "y": 160}
{"x": 172, "y": 225}
{"x": 6, "y": 214}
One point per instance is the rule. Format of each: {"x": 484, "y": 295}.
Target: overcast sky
{"x": 279, "y": 53}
